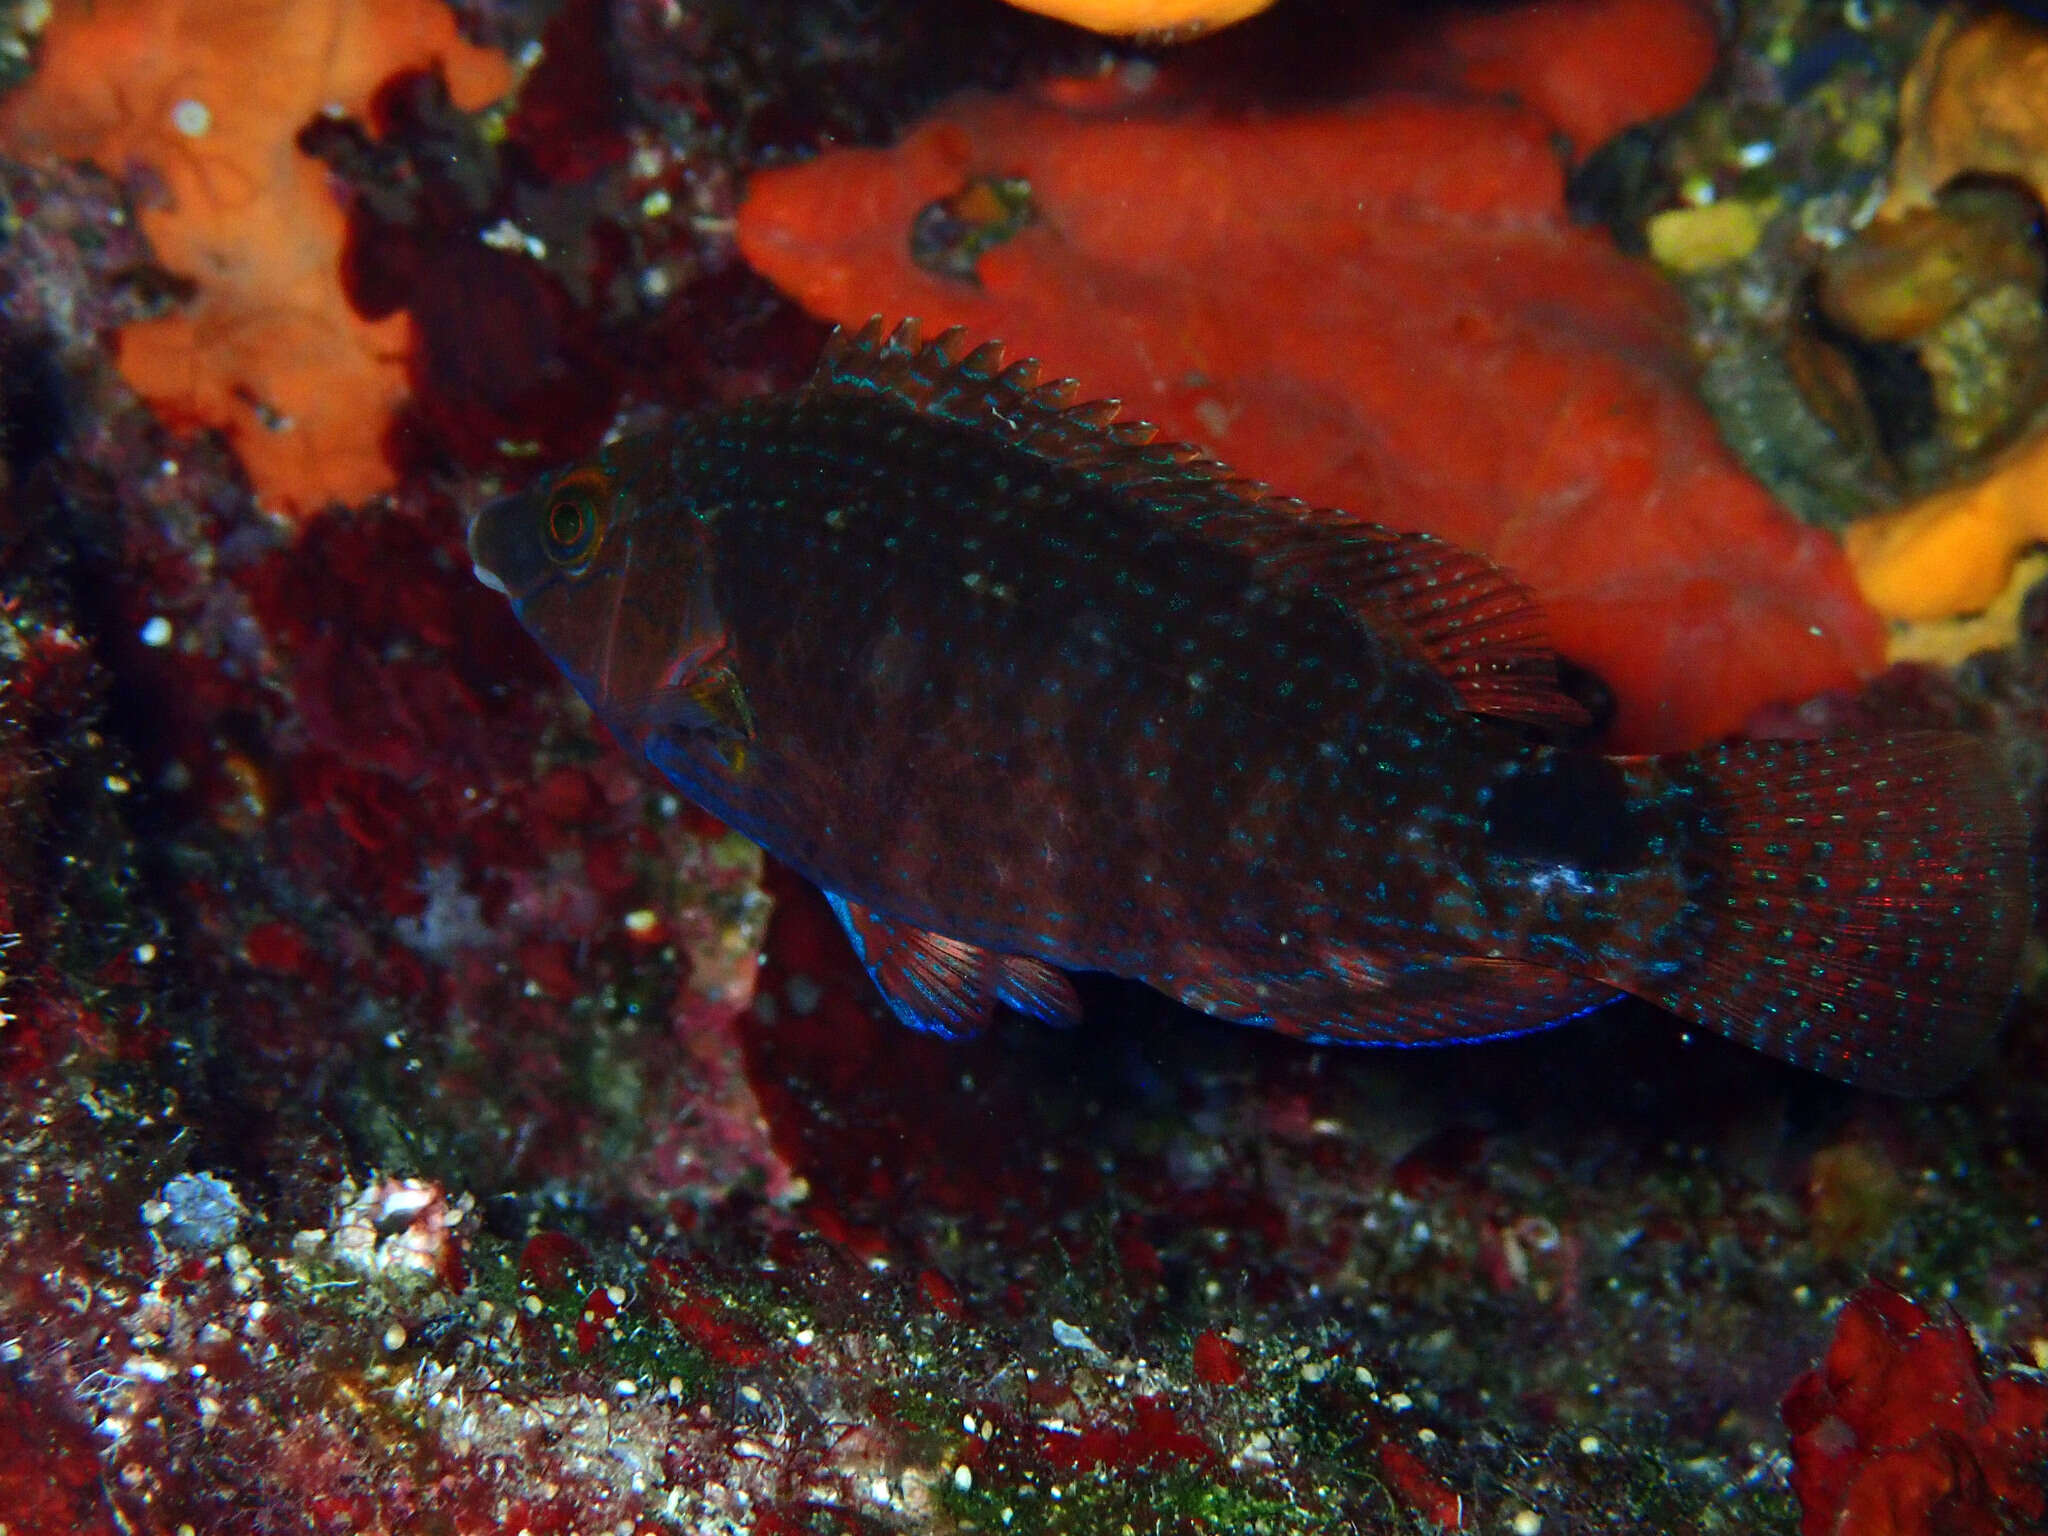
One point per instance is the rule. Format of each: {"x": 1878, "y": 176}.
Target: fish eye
{"x": 573, "y": 517}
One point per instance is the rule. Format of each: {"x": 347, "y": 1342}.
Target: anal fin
{"x": 946, "y": 986}
{"x": 1436, "y": 1002}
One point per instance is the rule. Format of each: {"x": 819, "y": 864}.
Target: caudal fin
{"x": 1861, "y": 904}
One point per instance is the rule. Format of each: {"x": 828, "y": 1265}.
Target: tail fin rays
{"x": 1863, "y": 906}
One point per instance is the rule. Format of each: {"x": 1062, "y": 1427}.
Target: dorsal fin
{"x": 1481, "y": 628}
{"x": 1470, "y": 620}
{"x": 944, "y": 377}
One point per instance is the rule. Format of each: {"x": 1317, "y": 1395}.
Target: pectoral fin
{"x": 947, "y": 986}
{"x": 708, "y": 702}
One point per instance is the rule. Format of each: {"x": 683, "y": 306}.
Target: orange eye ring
{"x": 572, "y": 520}
{"x": 569, "y": 520}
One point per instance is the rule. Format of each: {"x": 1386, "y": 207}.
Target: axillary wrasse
{"x": 1026, "y": 691}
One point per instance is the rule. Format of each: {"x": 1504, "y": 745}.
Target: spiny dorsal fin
{"x": 943, "y": 377}
{"x": 1478, "y": 626}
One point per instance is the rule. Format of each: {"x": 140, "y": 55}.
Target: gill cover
{"x": 620, "y": 600}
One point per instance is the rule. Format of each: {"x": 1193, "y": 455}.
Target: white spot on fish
{"x": 1560, "y": 877}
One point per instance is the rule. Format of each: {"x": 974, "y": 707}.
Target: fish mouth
{"x": 488, "y": 578}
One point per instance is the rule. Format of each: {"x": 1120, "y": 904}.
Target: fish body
{"x": 1027, "y": 692}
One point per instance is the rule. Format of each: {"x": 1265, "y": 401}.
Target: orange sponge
{"x": 1129, "y": 16}
{"x": 1382, "y": 305}
{"x": 206, "y": 97}
{"x": 1952, "y": 551}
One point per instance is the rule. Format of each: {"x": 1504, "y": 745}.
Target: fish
{"x": 1027, "y": 691}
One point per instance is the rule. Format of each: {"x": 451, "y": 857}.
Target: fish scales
{"x": 1075, "y": 732}
{"x": 1065, "y": 731}
{"x": 1026, "y": 692}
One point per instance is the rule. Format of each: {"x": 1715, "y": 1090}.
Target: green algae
{"x": 21, "y": 23}
{"x": 1799, "y": 125}
{"x": 1157, "y": 1504}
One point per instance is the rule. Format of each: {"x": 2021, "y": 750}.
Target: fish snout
{"x": 505, "y": 547}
